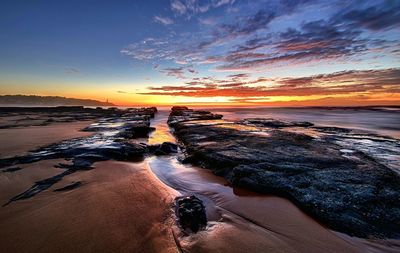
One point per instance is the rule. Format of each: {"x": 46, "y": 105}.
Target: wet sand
{"x": 121, "y": 207}
{"x": 244, "y": 221}
{"x": 23, "y": 139}
{"x": 124, "y": 207}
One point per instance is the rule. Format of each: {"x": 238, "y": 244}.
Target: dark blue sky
{"x": 167, "y": 48}
{"x": 84, "y": 35}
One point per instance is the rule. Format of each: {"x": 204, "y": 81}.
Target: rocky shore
{"x": 11, "y": 117}
{"x": 112, "y": 139}
{"x": 345, "y": 179}
{"x": 113, "y": 180}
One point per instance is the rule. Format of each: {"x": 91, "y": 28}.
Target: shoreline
{"x": 258, "y": 219}
{"x": 127, "y": 206}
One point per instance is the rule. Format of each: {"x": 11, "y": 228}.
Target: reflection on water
{"x": 308, "y": 131}
{"x": 385, "y": 150}
{"x": 384, "y": 121}
{"x": 255, "y": 218}
{"x": 244, "y": 128}
{"x": 162, "y": 132}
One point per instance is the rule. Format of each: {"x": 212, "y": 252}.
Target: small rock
{"x": 80, "y": 163}
{"x": 12, "y": 169}
{"x": 69, "y": 187}
{"x": 191, "y": 213}
{"x": 166, "y": 148}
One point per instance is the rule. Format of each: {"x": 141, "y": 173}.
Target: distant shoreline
{"x": 47, "y": 101}
{"x": 369, "y": 107}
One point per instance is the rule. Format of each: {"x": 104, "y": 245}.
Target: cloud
{"x": 357, "y": 100}
{"x": 208, "y": 21}
{"x": 190, "y": 7}
{"x": 239, "y": 76}
{"x": 163, "y": 20}
{"x": 381, "y": 16}
{"x": 193, "y": 71}
{"x": 175, "y": 47}
{"x": 338, "y": 37}
{"x": 178, "y": 6}
{"x": 251, "y": 23}
{"x": 316, "y": 40}
{"x": 176, "y": 72}
{"x": 263, "y": 35}
{"x": 70, "y": 70}
{"x": 338, "y": 83}
{"x": 195, "y": 47}
{"x": 179, "y": 72}
{"x": 125, "y": 92}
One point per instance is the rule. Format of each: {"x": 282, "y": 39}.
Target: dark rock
{"x": 166, "y": 148}
{"x": 105, "y": 144}
{"x": 69, "y": 187}
{"x": 332, "y": 129}
{"x": 136, "y": 131}
{"x": 12, "y": 169}
{"x": 148, "y": 111}
{"x": 276, "y": 123}
{"x": 39, "y": 186}
{"x": 179, "y": 108}
{"x": 182, "y": 114}
{"x": 351, "y": 192}
{"x": 191, "y": 213}
{"x": 141, "y": 130}
{"x": 81, "y": 163}
{"x": 41, "y": 116}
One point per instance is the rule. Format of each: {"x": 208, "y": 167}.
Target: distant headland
{"x": 33, "y": 100}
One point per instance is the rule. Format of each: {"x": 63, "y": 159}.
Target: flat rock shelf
{"x": 331, "y": 173}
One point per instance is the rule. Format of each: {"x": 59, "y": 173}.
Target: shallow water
{"x": 260, "y": 221}
{"x": 162, "y": 132}
{"x": 364, "y": 138}
{"x": 383, "y": 121}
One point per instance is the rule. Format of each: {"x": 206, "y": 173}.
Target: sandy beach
{"x": 20, "y": 140}
{"x": 121, "y": 207}
{"x": 128, "y": 206}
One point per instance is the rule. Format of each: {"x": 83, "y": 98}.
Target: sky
{"x": 203, "y": 52}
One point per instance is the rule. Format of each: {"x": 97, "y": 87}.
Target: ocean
{"x": 379, "y": 120}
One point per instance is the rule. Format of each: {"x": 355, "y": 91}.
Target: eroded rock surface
{"x": 337, "y": 175}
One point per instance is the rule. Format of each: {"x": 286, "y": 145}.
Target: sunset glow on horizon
{"x": 204, "y": 53}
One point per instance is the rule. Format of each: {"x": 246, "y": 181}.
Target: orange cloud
{"x": 346, "y": 82}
